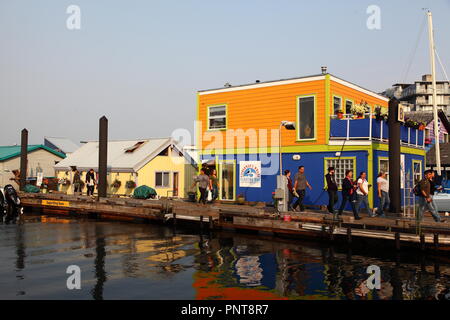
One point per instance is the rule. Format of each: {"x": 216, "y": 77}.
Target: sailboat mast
{"x": 433, "y": 76}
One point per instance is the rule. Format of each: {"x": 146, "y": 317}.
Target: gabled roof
{"x": 8, "y": 152}
{"x": 445, "y": 155}
{"x": 261, "y": 84}
{"x": 427, "y": 117}
{"x": 63, "y": 144}
{"x": 123, "y": 155}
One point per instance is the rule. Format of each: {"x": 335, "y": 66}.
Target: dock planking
{"x": 399, "y": 231}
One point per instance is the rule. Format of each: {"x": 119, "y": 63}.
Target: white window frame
{"x": 162, "y": 179}
{"x": 334, "y": 105}
{"x": 217, "y": 117}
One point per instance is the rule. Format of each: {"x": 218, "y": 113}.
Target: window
{"x": 306, "y": 118}
{"x": 341, "y": 165}
{"x": 445, "y": 137}
{"x": 337, "y": 104}
{"x": 417, "y": 171}
{"x": 217, "y": 117}
{"x": 162, "y": 179}
{"x": 383, "y": 166}
{"x": 348, "y": 106}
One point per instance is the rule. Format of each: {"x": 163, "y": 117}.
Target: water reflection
{"x": 138, "y": 261}
{"x": 100, "y": 273}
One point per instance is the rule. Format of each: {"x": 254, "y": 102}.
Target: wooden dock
{"x": 396, "y": 232}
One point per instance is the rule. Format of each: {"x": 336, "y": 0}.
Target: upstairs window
{"x": 348, "y": 106}
{"x": 337, "y": 105}
{"x": 306, "y": 114}
{"x": 217, "y": 117}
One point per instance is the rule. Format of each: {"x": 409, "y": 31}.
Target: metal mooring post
{"x": 394, "y": 156}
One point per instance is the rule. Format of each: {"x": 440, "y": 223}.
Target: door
{"x": 175, "y": 184}
{"x": 227, "y": 171}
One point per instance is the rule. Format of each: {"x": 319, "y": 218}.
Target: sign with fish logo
{"x": 250, "y": 174}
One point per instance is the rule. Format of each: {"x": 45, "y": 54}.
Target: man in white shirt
{"x": 362, "y": 194}
{"x": 383, "y": 193}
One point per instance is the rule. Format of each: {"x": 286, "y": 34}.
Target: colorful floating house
{"x": 41, "y": 159}
{"x": 157, "y": 163}
{"x": 337, "y": 123}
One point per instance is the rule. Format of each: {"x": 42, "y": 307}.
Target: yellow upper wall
{"x": 357, "y": 96}
{"x": 144, "y": 176}
{"x": 264, "y": 105}
{"x": 264, "y": 108}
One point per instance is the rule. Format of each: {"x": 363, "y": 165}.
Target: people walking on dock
{"x": 348, "y": 194}
{"x": 76, "y": 180}
{"x": 290, "y": 188}
{"x": 383, "y": 194}
{"x": 434, "y": 187}
{"x": 300, "y": 185}
{"x": 332, "y": 189}
{"x": 214, "y": 184}
{"x": 362, "y": 194}
{"x": 425, "y": 197}
{"x": 203, "y": 183}
{"x": 90, "y": 182}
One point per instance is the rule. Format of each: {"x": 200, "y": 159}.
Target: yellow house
{"x": 158, "y": 163}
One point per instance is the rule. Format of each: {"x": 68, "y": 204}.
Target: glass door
{"x": 227, "y": 180}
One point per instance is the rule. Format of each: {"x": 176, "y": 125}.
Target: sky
{"x": 140, "y": 63}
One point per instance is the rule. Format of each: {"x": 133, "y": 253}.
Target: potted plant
{"x": 381, "y": 113}
{"x": 130, "y": 184}
{"x": 422, "y": 126}
{"x": 358, "y": 110}
{"x": 340, "y": 114}
{"x": 116, "y": 184}
{"x": 240, "y": 198}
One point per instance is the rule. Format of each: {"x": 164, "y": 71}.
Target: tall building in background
{"x": 418, "y": 96}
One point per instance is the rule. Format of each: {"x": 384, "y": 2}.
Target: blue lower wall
{"x": 314, "y": 171}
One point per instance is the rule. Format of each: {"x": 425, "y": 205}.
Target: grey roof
{"x": 62, "y": 144}
{"x": 86, "y": 157}
{"x": 427, "y": 117}
{"x": 445, "y": 155}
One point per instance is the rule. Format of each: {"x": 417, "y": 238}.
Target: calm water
{"x": 142, "y": 261}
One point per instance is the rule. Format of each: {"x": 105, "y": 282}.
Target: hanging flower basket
{"x": 116, "y": 184}
{"x": 130, "y": 184}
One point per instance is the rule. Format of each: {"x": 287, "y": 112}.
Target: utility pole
{"x": 433, "y": 76}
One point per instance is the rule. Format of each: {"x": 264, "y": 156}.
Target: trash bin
{"x": 191, "y": 196}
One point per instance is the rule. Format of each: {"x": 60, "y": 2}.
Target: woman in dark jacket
{"x": 290, "y": 187}
{"x": 348, "y": 193}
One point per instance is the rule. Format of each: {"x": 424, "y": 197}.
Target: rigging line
{"x": 414, "y": 50}
{"x": 440, "y": 62}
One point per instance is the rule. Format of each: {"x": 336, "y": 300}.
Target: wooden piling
{"x": 211, "y": 223}
{"x": 103, "y": 157}
{"x": 349, "y": 235}
{"x": 23, "y": 159}
{"x": 422, "y": 242}
{"x": 397, "y": 241}
{"x": 201, "y": 222}
{"x": 436, "y": 241}
{"x": 394, "y": 156}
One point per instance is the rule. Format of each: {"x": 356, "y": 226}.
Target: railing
{"x": 368, "y": 128}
